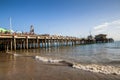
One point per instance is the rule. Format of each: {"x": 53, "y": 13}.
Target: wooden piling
{"x": 26, "y": 42}
{"x": 14, "y": 42}
{"x": 11, "y": 44}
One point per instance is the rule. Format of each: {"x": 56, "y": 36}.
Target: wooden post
{"x": 45, "y": 43}
{"x": 14, "y": 43}
{"x": 60, "y": 42}
{"x": 38, "y": 43}
{"x": 24, "y": 44}
{"x": 72, "y": 42}
{"x": 27, "y": 42}
{"x": 75, "y": 42}
{"x": 11, "y": 44}
{"x": 42, "y": 43}
{"x": 67, "y": 43}
{"x": 50, "y": 42}
{"x": 53, "y": 43}
{"x": 57, "y": 42}
{"x": 34, "y": 44}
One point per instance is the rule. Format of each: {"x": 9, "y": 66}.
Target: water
{"x": 103, "y": 58}
{"x": 93, "y": 53}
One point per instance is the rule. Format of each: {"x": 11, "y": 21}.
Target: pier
{"x": 31, "y": 41}
{"x": 22, "y": 41}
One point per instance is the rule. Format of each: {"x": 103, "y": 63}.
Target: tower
{"x": 90, "y": 37}
{"x": 31, "y": 29}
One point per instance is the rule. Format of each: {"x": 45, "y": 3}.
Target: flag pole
{"x": 10, "y": 25}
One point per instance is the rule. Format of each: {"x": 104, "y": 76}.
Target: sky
{"x": 76, "y": 18}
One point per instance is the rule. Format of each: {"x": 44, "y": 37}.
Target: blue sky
{"x": 62, "y": 17}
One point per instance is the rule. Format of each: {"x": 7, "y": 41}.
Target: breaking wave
{"x": 50, "y": 60}
{"x": 99, "y": 68}
{"x": 105, "y": 69}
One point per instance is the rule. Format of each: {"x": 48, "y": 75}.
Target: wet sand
{"x": 27, "y": 68}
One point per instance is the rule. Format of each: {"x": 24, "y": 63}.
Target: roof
{"x": 3, "y": 30}
{"x": 101, "y": 35}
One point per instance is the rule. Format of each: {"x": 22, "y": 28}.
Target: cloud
{"x": 102, "y": 26}
{"x": 112, "y": 29}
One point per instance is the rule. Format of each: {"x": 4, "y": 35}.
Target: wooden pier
{"x": 22, "y": 41}
{"x": 32, "y": 41}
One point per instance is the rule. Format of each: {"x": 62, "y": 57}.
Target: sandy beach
{"x": 27, "y": 68}
{"x": 59, "y": 39}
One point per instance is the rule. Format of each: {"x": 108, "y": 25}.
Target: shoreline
{"x": 29, "y": 69}
{"x": 105, "y": 69}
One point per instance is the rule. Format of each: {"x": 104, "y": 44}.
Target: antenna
{"x": 90, "y": 32}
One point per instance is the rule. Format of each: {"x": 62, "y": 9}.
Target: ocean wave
{"x": 113, "y": 47}
{"x": 14, "y": 54}
{"x": 50, "y": 60}
{"x": 105, "y": 69}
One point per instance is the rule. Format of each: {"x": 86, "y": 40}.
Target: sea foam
{"x": 50, "y": 60}
{"x": 99, "y": 68}
{"x": 90, "y": 67}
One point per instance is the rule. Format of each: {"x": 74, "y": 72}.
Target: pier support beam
{"x": 72, "y": 42}
{"x": 24, "y": 44}
{"x": 14, "y": 43}
{"x": 27, "y": 42}
{"x": 45, "y": 43}
{"x": 48, "y": 43}
{"x": 34, "y": 44}
{"x": 42, "y": 43}
{"x": 38, "y": 43}
{"x": 20, "y": 45}
{"x": 11, "y": 44}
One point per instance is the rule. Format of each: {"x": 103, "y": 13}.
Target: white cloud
{"x": 112, "y": 29}
{"x": 102, "y": 26}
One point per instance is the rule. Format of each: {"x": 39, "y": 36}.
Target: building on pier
{"x": 101, "y": 38}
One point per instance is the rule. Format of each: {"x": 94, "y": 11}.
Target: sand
{"x": 27, "y": 68}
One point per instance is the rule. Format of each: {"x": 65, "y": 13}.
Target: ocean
{"x": 95, "y": 58}
{"x": 102, "y": 57}
{"x": 102, "y": 53}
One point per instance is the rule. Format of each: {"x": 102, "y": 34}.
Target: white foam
{"x": 50, "y": 60}
{"x": 17, "y": 54}
{"x": 98, "y": 68}
{"x": 91, "y": 67}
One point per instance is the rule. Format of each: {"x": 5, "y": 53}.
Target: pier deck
{"x": 22, "y": 41}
